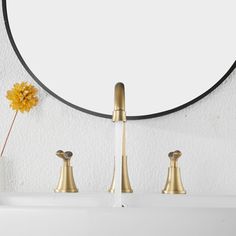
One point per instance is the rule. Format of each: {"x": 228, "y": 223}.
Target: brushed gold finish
{"x": 119, "y": 114}
{"x": 66, "y": 182}
{"x": 174, "y": 183}
{"x": 125, "y": 182}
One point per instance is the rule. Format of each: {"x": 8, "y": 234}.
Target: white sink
{"x": 93, "y": 215}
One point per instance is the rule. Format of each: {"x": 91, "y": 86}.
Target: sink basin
{"x": 58, "y": 214}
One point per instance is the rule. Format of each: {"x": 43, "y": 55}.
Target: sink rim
{"x": 105, "y": 200}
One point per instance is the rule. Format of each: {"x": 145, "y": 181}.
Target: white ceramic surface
{"x": 92, "y": 214}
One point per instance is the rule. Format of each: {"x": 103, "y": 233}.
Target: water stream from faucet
{"x": 118, "y": 163}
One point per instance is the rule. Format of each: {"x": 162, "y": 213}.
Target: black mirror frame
{"x": 163, "y": 113}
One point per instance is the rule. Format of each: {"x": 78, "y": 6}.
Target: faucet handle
{"x": 64, "y": 155}
{"x": 174, "y": 156}
{"x": 68, "y": 155}
{"x": 66, "y": 182}
{"x": 174, "y": 183}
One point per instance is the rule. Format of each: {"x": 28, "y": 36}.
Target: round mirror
{"x": 167, "y": 53}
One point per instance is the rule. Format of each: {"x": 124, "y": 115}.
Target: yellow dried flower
{"x": 22, "y": 97}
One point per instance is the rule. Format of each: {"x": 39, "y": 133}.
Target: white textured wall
{"x": 204, "y": 132}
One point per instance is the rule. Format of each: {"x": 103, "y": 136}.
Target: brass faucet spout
{"x": 119, "y": 113}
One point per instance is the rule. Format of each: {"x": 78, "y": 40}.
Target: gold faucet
{"x": 66, "y": 182}
{"x": 174, "y": 183}
{"x": 119, "y": 114}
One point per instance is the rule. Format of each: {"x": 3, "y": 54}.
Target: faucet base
{"x": 66, "y": 182}
{"x": 173, "y": 192}
{"x": 125, "y": 183}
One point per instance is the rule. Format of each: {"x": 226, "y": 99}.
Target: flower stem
{"x": 8, "y": 134}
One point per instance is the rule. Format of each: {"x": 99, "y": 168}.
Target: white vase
{"x": 2, "y": 173}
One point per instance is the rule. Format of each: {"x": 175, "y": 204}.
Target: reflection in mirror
{"x": 166, "y": 52}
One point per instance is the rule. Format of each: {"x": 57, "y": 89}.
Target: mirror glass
{"x": 166, "y": 53}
